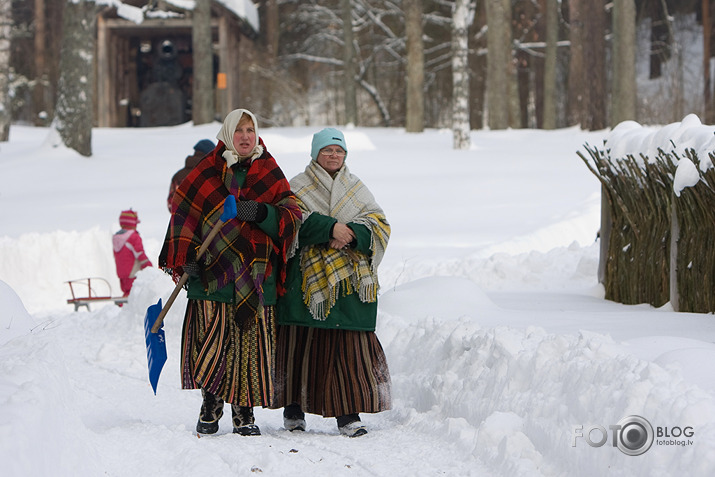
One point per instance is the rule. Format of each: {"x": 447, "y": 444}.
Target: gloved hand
{"x": 192, "y": 268}
{"x": 251, "y": 211}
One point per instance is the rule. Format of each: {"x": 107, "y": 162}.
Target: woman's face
{"x": 331, "y": 158}
{"x": 244, "y": 137}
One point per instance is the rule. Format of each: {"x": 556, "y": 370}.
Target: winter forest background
{"x": 462, "y": 64}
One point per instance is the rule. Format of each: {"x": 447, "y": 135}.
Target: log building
{"x": 144, "y": 69}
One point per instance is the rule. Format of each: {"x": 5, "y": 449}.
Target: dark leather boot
{"x": 243, "y": 421}
{"x": 211, "y": 412}
{"x": 293, "y": 418}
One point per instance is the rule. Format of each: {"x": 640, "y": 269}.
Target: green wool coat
{"x": 348, "y": 313}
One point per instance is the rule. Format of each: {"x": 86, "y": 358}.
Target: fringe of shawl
{"x": 362, "y": 278}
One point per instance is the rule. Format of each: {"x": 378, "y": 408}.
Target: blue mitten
{"x": 229, "y": 208}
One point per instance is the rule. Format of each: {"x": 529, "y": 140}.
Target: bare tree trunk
{"x": 39, "y": 91}
{"x": 74, "y": 111}
{"x": 349, "y": 62}
{"x": 623, "y": 101}
{"x": 202, "y": 94}
{"x": 272, "y": 90}
{"x": 415, "y": 114}
{"x": 498, "y": 63}
{"x": 550, "y": 56}
{"x": 577, "y": 88}
{"x": 514, "y": 93}
{"x": 594, "y": 71}
{"x": 5, "y": 107}
{"x": 461, "y": 18}
{"x": 273, "y": 27}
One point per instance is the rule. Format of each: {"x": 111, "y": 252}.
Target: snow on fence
{"x": 658, "y": 214}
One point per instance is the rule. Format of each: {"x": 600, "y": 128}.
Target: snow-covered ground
{"x": 505, "y": 358}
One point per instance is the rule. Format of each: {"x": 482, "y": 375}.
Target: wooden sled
{"x": 83, "y": 292}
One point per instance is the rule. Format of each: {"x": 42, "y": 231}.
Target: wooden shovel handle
{"x": 182, "y": 281}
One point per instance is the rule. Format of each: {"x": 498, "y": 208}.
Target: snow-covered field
{"x": 505, "y": 359}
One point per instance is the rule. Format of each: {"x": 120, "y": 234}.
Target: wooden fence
{"x": 658, "y": 237}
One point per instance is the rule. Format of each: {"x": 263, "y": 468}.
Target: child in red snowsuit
{"x": 129, "y": 253}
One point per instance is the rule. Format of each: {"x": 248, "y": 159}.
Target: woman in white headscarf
{"x": 329, "y": 360}
{"x": 229, "y": 326}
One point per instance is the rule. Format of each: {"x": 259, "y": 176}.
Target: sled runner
{"x": 83, "y": 292}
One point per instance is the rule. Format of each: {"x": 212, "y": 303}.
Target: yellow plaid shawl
{"x": 329, "y": 272}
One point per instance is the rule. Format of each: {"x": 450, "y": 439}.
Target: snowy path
{"x": 116, "y": 414}
{"x": 114, "y": 411}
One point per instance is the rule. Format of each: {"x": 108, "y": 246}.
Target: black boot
{"x": 350, "y": 425}
{"x": 243, "y": 421}
{"x": 211, "y": 412}
{"x": 293, "y": 418}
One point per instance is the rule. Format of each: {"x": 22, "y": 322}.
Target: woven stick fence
{"x": 638, "y": 192}
{"x": 693, "y": 287}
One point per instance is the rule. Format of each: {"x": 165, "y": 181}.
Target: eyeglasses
{"x": 339, "y": 153}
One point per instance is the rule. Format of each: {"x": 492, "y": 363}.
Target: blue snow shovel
{"x": 154, "y": 318}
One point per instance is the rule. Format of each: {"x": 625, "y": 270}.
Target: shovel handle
{"x": 182, "y": 281}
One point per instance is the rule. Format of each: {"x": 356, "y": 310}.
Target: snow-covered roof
{"x": 243, "y": 9}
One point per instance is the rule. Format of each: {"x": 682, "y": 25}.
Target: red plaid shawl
{"x": 241, "y": 253}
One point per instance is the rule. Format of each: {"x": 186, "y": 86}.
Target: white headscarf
{"x": 225, "y": 135}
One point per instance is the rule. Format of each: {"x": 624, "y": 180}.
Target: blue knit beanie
{"x": 327, "y": 137}
{"x": 204, "y": 146}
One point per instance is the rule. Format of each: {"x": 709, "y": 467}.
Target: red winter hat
{"x": 128, "y": 219}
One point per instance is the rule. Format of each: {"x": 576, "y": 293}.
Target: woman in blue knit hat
{"x": 201, "y": 149}
{"x": 329, "y": 360}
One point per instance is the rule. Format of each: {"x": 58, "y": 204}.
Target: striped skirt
{"x": 235, "y": 363}
{"x": 331, "y": 372}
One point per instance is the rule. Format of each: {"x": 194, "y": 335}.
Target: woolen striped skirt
{"x": 235, "y": 363}
{"x": 331, "y": 372}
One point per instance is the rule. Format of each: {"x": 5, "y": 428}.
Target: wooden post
{"x": 674, "y": 236}
{"x": 605, "y": 235}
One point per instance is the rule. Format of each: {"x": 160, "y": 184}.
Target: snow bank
{"x": 512, "y": 397}
{"x": 37, "y": 266}
{"x": 37, "y": 399}
{"x": 14, "y": 320}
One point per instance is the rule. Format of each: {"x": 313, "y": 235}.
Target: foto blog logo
{"x": 633, "y": 435}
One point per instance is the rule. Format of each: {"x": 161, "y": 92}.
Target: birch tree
{"x": 462, "y": 17}
{"x": 5, "y": 108}
{"x": 73, "y": 114}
